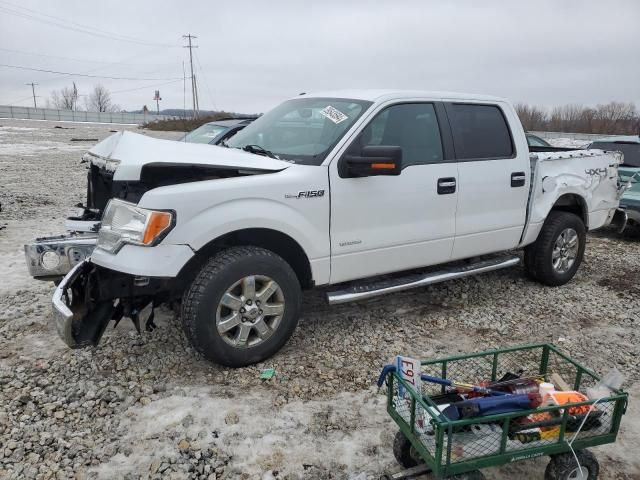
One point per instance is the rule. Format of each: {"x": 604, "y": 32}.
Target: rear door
{"x": 382, "y": 224}
{"x": 493, "y": 178}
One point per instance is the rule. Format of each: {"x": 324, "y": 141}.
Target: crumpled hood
{"x": 127, "y": 152}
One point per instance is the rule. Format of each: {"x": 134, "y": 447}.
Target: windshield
{"x": 631, "y": 151}
{"x": 302, "y": 130}
{"x": 204, "y": 134}
{"x": 534, "y": 141}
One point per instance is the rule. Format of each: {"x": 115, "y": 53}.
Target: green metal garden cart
{"x": 430, "y": 442}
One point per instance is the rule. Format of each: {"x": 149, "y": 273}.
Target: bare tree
{"x": 66, "y": 98}
{"x": 614, "y": 118}
{"x": 99, "y": 100}
{"x": 532, "y": 117}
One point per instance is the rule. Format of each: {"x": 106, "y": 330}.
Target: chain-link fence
{"x": 29, "y": 113}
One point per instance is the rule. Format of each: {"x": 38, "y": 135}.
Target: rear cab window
{"x": 480, "y": 132}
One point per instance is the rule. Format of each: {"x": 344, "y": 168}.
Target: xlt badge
{"x": 306, "y": 194}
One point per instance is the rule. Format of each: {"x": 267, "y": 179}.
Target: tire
{"x": 540, "y": 256}
{"x": 217, "y": 328}
{"x": 402, "y": 451}
{"x": 563, "y": 466}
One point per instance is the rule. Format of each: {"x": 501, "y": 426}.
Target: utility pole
{"x": 33, "y": 89}
{"x": 157, "y": 98}
{"x": 194, "y": 88}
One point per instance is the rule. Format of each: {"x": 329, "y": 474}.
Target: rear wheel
{"x": 242, "y": 307}
{"x": 553, "y": 259}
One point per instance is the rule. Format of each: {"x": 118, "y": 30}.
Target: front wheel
{"x": 565, "y": 467}
{"x": 553, "y": 259}
{"x": 242, "y": 307}
{"x": 403, "y": 451}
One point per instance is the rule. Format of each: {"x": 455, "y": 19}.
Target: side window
{"x": 479, "y": 131}
{"x": 412, "y": 126}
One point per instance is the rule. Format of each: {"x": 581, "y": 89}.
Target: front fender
{"x": 210, "y": 209}
{"x": 245, "y": 213}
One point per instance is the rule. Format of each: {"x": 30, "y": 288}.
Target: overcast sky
{"x": 253, "y": 54}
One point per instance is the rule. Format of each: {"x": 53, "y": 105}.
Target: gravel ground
{"x": 149, "y": 407}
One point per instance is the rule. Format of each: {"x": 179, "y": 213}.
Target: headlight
{"x": 124, "y": 222}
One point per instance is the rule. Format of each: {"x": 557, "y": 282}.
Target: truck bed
{"x": 587, "y": 177}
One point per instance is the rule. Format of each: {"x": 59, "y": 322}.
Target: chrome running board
{"x": 364, "y": 291}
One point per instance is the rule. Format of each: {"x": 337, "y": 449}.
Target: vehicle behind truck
{"x": 629, "y": 147}
{"x": 370, "y": 192}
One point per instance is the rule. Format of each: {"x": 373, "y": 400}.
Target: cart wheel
{"x": 403, "y": 451}
{"x": 472, "y": 475}
{"x": 563, "y": 467}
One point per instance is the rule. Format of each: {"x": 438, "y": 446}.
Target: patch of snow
{"x": 31, "y": 150}
{"x": 21, "y": 129}
{"x": 346, "y": 430}
{"x": 567, "y": 143}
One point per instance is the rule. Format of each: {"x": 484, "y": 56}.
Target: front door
{"x": 381, "y": 224}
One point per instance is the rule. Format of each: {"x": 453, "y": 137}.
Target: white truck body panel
{"x": 484, "y": 190}
{"x": 374, "y": 231}
{"x": 590, "y": 174}
{"x": 361, "y": 227}
{"x": 209, "y": 209}
{"x": 386, "y": 224}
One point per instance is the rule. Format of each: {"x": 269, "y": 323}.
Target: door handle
{"x": 518, "y": 179}
{"x": 446, "y": 185}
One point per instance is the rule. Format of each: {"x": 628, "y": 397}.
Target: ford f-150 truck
{"x": 370, "y": 192}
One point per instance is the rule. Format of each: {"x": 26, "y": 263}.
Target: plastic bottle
{"x": 545, "y": 388}
{"x": 609, "y": 383}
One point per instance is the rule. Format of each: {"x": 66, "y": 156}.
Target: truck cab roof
{"x": 381, "y": 95}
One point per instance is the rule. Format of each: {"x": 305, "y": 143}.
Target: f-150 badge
{"x": 306, "y": 194}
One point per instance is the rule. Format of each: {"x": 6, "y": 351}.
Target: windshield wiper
{"x": 258, "y": 150}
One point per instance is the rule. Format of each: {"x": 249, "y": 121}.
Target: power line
{"x": 84, "y": 74}
{"x": 82, "y": 60}
{"x": 120, "y": 62}
{"x": 206, "y": 83}
{"x": 147, "y": 86}
{"x": 65, "y": 24}
{"x": 20, "y": 100}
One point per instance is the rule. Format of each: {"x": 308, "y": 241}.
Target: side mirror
{"x": 373, "y": 160}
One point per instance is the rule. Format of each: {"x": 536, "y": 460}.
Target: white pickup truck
{"x": 370, "y": 191}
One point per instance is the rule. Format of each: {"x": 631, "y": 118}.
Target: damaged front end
{"x": 90, "y": 296}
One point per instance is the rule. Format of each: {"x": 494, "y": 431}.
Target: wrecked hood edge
{"x": 125, "y": 153}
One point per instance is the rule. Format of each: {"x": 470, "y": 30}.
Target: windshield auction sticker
{"x": 333, "y": 114}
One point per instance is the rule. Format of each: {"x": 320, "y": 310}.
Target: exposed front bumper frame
{"x": 62, "y": 313}
{"x": 90, "y": 296}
